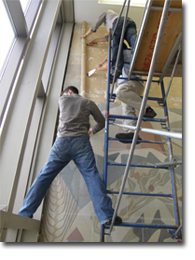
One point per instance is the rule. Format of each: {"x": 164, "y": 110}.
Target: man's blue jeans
{"x": 63, "y": 151}
{"x": 130, "y": 36}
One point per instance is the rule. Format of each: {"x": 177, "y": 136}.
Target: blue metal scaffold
{"x": 165, "y": 9}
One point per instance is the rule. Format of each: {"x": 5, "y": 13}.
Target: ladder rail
{"x": 153, "y": 131}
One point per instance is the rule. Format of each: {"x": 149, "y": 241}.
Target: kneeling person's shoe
{"x": 118, "y": 220}
{"x": 126, "y": 137}
{"x": 150, "y": 113}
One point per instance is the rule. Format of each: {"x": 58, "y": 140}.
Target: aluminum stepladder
{"x": 175, "y": 230}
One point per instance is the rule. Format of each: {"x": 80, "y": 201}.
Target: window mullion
{"x": 16, "y": 17}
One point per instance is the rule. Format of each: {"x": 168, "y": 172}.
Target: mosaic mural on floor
{"x": 69, "y": 215}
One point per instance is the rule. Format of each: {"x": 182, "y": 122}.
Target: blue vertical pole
{"x": 106, "y": 129}
{"x": 107, "y": 117}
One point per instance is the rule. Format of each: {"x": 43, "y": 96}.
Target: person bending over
{"x": 72, "y": 143}
{"x": 109, "y": 19}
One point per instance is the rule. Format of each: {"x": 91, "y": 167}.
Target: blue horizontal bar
{"x": 135, "y": 79}
{"x": 137, "y": 165}
{"x": 141, "y": 194}
{"x": 140, "y": 141}
{"x": 135, "y": 118}
{"x": 149, "y": 98}
{"x": 154, "y": 99}
{"x": 140, "y": 225}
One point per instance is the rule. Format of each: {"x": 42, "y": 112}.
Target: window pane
{"x": 6, "y": 34}
{"x": 24, "y": 4}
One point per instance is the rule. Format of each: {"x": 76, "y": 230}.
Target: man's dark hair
{"x": 72, "y": 88}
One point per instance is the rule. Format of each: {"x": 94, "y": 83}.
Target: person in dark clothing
{"x": 109, "y": 19}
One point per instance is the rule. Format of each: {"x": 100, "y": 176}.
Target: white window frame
{"x": 136, "y": 3}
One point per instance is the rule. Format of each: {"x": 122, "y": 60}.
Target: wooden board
{"x": 173, "y": 4}
{"x": 172, "y": 28}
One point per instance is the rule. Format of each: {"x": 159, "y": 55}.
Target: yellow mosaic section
{"x": 93, "y": 87}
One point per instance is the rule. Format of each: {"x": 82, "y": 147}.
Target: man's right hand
{"x": 92, "y": 42}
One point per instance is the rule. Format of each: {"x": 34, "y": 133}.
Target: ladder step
{"x": 141, "y": 194}
{"x": 113, "y": 117}
{"x": 139, "y": 141}
{"x": 140, "y": 225}
{"x": 137, "y": 165}
{"x": 149, "y": 98}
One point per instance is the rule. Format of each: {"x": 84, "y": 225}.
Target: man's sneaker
{"x": 126, "y": 137}
{"x": 150, "y": 113}
{"x": 118, "y": 220}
